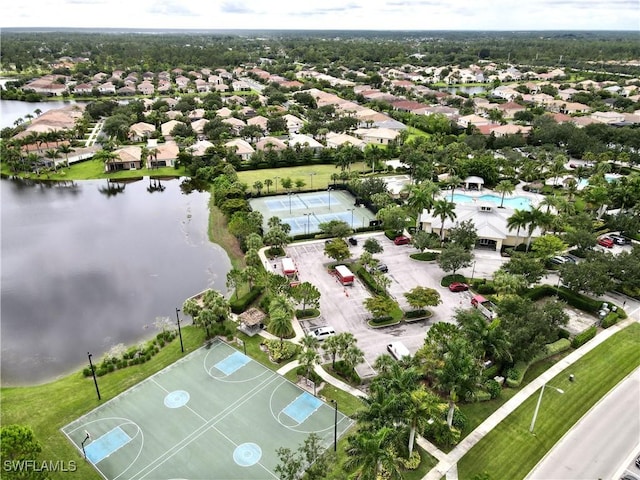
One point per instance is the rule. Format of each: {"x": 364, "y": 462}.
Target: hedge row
{"x": 240, "y": 304}
{"x": 584, "y": 337}
{"x": 367, "y": 279}
{"x": 516, "y": 374}
{"x": 424, "y": 256}
{"x": 576, "y": 300}
{"x": 611, "y": 319}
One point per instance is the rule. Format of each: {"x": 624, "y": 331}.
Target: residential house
{"x": 241, "y": 147}
{"x": 509, "y": 129}
{"x": 167, "y": 127}
{"x": 127, "y": 158}
{"x": 236, "y": 124}
{"x": 270, "y": 143}
{"x": 198, "y": 125}
{"x": 335, "y": 140}
{"x": 473, "y": 119}
{"x": 240, "y": 86}
{"x": 304, "y": 141}
{"x": 163, "y": 155}
{"x": 107, "y": 88}
{"x": 377, "y": 136}
{"x": 260, "y": 121}
{"x": 509, "y": 109}
{"x": 608, "y": 117}
{"x": 224, "y": 112}
{"x": 201, "y": 86}
{"x": 83, "y": 89}
{"x": 139, "y": 132}
{"x": 294, "y": 124}
{"x": 200, "y": 148}
{"x": 126, "y": 91}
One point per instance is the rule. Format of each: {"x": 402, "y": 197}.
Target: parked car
{"x": 353, "y": 241}
{"x": 618, "y": 239}
{"x": 569, "y": 258}
{"x": 402, "y": 240}
{"x": 458, "y": 287}
{"x": 558, "y": 260}
{"x": 322, "y": 333}
{"x": 605, "y": 242}
{"x": 628, "y": 476}
{"x": 638, "y": 461}
{"x": 381, "y": 267}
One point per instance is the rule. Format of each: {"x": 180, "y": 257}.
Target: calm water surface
{"x": 84, "y": 269}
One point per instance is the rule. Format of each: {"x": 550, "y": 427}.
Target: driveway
{"x": 343, "y": 309}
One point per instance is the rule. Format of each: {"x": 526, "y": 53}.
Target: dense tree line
{"x": 356, "y": 50}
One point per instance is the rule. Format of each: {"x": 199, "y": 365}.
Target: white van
{"x": 323, "y": 332}
{"x": 398, "y": 350}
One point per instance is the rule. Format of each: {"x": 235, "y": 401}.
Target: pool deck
{"x": 534, "y": 198}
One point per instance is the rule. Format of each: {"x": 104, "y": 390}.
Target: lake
{"x": 85, "y": 268}
{"x": 11, "y": 110}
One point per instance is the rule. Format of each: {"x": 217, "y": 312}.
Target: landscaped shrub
{"x": 411, "y": 463}
{"x": 308, "y": 313}
{"x": 481, "y": 396}
{"x": 449, "y": 279}
{"x": 611, "y": 319}
{"x": 367, "y": 279}
{"x": 313, "y": 376}
{"x": 347, "y": 372}
{"x": 424, "y": 256}
{"x": 416, "y": 313}
{"x": 280, "y": 351}
{"x": 493, "y": 388}
{"x": 491, "y": 372}
{"x": 584, "y": 337}
{"x": 556, "y": 347}
{"x": 516, "y": 374}
{"x": 563, "y": 333}
{"x": 459, "y": 419}
{"x": 392, "y": 234}
{"x": 381, "y": 320}
{"x": 486, "y": 289}
{"x": 240, "y": 304}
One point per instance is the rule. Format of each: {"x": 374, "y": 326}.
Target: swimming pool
{"x": 609, "y": 177}
{"x": 520, "y": 203}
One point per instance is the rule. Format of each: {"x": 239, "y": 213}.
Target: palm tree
{"x": 518, "y": 220}
{"x": 309, "y": 356}
{"x": 52, "y": 154}
{"x": 66, "y": 149}
{"x": 504, "y": 187}
{"x": 280, "y": 323}
{"x": 444, "y": 210}
{"x": 370, "y": 452}
{"x": 454, "y": 181}
{"x": 535, "y": 218}
{"x": 422, "y": 407}
{"x": 267, "y": 183}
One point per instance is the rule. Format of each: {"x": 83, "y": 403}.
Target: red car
{"x": 401, "y": 240}
{"x": 458, "y": 287}
{"x": 605, "y": 242}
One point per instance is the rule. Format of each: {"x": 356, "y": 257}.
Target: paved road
{"x": 598, "y": 443}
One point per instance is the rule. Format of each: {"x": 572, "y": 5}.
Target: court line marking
{"x": 197, "y": 433}
{"x": 187, "y": 406}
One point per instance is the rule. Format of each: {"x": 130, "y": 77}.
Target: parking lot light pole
{"x": 351, "y": 210}
{"x": 335, "y": 425}
{"x": 277, "y": 177}
{"x": 289, "y": 194}
{"x": 473, "y": 270}
{"x": 179, "y": 330}
{"x": 535, "y": 413}
{"x": 329, "y": 192}
{"x": 311, "y": 176}
{"x": 93, "y": 372}
{"x": 307, "y": 215}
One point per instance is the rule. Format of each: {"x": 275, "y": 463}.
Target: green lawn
{"x": 509, "y": 451}
{"x": 94, "y": 169}
{"x": 321, "y": 179}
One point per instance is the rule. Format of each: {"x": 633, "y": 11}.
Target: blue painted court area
{"x": 108, "y": 443}
{"x": 232, "y": 363}
{"x": 303, "y": 407}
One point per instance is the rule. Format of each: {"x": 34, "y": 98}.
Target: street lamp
{"x": 329, "y": 192}
{"x": 351, "y": 210}
{"x": 311, "y": 175}
{"x": 289, "y": 194}
{"x": 335, "y": 425}
{"x": 93, "y": 372}
{"x": 277, "y": 177}
{"x": 179, "y": 330}
{"x": 535, "y": 413}
{"x": 473, "y": 270}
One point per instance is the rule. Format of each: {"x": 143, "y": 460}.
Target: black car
{"x": 381, "y": 267}
{"x": 353, "y": 241}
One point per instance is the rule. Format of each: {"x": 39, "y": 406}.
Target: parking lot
{"x": 343, "y": 309}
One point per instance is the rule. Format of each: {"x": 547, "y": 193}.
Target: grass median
{"x": 510, "y": 451}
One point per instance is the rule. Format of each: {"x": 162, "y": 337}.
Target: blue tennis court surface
{"x": 303, "y": 407}
{"x": 107, "y": 444}
{"x": 232, "y": 363}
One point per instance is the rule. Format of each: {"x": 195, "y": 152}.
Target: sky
{"x": 506, "y": 15}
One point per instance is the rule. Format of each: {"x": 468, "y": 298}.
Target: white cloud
{"x": 327, "y": 14}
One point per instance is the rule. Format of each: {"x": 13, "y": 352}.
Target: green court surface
{"x": 215, "y": 414}
{"x": 304, "y": 212}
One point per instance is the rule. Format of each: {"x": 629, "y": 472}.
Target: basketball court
{"x": 214, "y": 414}
{"x": 305, "y": 211}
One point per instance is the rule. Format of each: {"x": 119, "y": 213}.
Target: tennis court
{"x": 214, "y": 414}
{"x": 305, "y": 211}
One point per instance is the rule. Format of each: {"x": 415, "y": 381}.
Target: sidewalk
{"x": 446, "y": 464}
